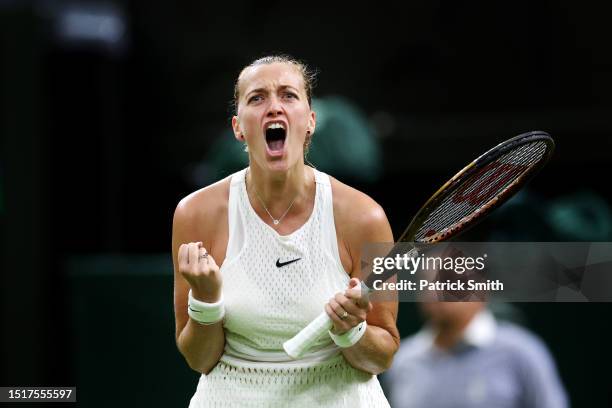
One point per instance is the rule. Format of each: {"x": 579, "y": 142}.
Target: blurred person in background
{"x": 464, "y": 357}
{"x": 258, "y": 255}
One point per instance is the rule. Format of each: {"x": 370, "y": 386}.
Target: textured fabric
{"x": 329, "y": 384}
{"x": 266, "y": 305}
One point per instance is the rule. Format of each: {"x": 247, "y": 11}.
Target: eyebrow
{"x": 264, "y": 90}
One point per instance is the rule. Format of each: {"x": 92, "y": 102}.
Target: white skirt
{"x": 332, "y": 383}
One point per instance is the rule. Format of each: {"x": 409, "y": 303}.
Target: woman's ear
{"x": 312, "y": 123}
{"x": 238, "y": 133}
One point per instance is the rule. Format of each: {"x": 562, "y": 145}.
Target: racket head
{"x": 479, "y": 188}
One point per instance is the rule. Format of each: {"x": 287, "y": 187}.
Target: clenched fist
{"x": 200, "y": 270}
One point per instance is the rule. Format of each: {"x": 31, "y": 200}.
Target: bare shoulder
{"x": 199, "y": 214}
{"x": 358, "y": 217}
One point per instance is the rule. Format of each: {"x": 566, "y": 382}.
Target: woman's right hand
{"x": 200, "y": 270}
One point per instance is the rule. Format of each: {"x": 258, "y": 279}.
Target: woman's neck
{"x": 279, "y": 189}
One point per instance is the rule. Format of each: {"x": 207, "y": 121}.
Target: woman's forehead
{"x": 278, "y": 74}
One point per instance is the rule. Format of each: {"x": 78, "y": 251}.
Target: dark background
{"x": 108, "y": 110}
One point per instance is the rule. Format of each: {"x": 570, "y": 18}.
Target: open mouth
{"x": 275, "y": 137}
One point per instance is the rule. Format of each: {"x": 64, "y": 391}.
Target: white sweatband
{"x": 351, "y": 337}
{"x": 205, "y": 313}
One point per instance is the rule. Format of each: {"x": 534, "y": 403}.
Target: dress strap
{"x": 235, "y": 218}
{"x": 328, "y": 226}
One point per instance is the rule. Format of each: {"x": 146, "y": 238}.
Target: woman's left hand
{"x": 348, "y": 309}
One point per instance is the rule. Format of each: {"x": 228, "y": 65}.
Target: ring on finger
{"x": 343, "y": 315}
{"x": 203, "y": 256}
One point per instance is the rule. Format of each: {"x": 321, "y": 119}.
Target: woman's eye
{"x": 255, "y": 98}
{"x": 290, "y": 95}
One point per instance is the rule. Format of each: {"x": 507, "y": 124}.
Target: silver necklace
{"x": 275, "y": 221}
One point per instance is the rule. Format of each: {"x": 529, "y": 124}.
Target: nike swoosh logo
{"x": 280, "y": 264}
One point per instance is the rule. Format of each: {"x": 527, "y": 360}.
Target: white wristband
{"x": 205, "y": 313}
{"x": 351, "y": 337}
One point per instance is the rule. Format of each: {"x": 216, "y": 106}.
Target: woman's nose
{"x": 274, "y": 107}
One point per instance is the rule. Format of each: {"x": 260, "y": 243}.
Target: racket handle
{"x": 304, "y": 340}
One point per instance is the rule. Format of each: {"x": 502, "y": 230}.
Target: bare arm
{"x": 201, "y": 345}
{"x": 374, "y": 352}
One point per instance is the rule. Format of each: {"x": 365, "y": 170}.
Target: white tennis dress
{"x": 273, "y": 286}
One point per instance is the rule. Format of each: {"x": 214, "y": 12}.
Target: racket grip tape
{"x": 304, "y": 340}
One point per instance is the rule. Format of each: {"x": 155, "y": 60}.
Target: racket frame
{"x": 468, "y": 171}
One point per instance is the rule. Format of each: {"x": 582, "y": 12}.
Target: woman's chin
{"x": 281, "y": 163}
{"x": 278, "y": 165}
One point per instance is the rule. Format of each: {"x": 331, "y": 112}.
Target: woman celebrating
{"x": 288, "y": 238}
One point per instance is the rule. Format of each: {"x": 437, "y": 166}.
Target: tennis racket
{"x": 459, "y": 204}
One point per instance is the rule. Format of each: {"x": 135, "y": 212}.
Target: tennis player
{"x": 259, "y": 254}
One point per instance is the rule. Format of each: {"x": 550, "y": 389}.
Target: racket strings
{"x": 481, "y": 189}
{"x": 511, "y": 163}
{"x": 485, "y": 184}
